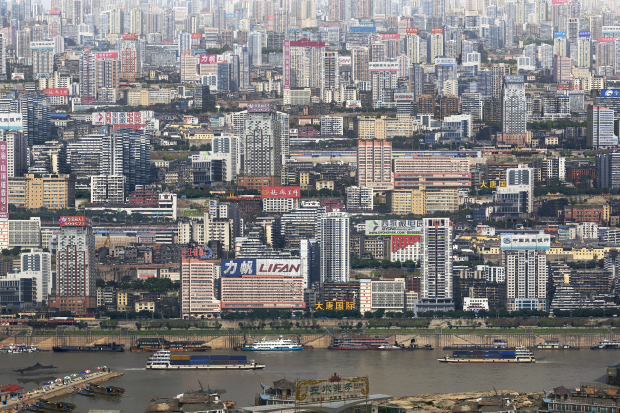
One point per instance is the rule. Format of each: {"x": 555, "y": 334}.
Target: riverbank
{"x": 322, "y": 340}
{"x": 37, "y": 393}
{"x": 445, "y": 402}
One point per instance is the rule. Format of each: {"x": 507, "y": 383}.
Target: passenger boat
{"x": 606, "y": 345}
{"x": 518, "y": 355}
{"x": 358, "y": 342}
{"x": 19, "y": 348}
{"x": 119, "y": 348}
{"x": 497, "y": 344}
{"x": 555, "y": 345}
{"x": 388, "y": 347}
{"x": 163, "y": 360}
{"x": 280, "y": 344}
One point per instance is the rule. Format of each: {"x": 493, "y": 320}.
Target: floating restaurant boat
{"x": 518, "y": 355}
{"x": 606, "y": 345}
{"x": 281, "y": 344}
{"x": 162, "y": 360}
{"x": 358, "y": 342}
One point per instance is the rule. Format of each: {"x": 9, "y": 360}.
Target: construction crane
{"x": 107, "y": 240}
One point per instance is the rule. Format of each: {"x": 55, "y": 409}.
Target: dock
{"x": 57, "y": 392}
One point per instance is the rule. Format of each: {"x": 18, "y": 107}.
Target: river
{"x": 398, "y": 373}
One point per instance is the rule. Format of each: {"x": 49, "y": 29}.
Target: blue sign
{"x": 363, "y": 29}
{"x": 585, "y": 34}
{"x": 610, "y": 93}
{"x": 230, "y": 15}
{"x": 238, "y": 267}
{"x": 514, "y": 79}
{"x": 559, "y": 34}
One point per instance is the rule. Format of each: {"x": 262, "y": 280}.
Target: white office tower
{"x": 229, "y": 144}
{"x": 523, "y": 255}
{"x": 335, "y": 247}
{"x": 255, "y": 47}
{"x": 38, "y": 264}
{"x": 516, "y": 199}
{"x": 513, "y": 105}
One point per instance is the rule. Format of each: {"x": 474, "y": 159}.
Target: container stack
{"x": 203, "y": 359}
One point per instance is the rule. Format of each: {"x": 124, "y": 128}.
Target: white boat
{"x": 518, "y": 355}
{"x": 280, "y": 344}
{"x": 19, "y": 348}
{"x": 388, "y": 347}
{"x": 163, "y": 360}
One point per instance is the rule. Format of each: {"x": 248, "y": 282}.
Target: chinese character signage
{"x": 411, "y": 30}
{"x": 286, "y": 70}
{"x": 393, "y": 227}
{"x": 514, "y": 79}
{"x": 363, "y": 29}
{"x": 606, "y": 39}
{"x": 4, "y": 182}
{"x": 129, "y": 36}
{"x": 196, "y": 35}
{"x": 11, "y": 121}
{"x": 559, "y": 34}
{"x": 280, "y": 191}
{"x": 118, "y": 118}
{"x": 75, "y": 221}
{"x": 106, "y": 55}
{"x": 493, "y": 184}
{"x": 525, "y": 241}
{"x": 238, "y": 267}
{"x": 335, "y": 305}
{"x": 390, "y": 36}
{"x": 344, "y": 60}
{"x": 403, "y": 96}
{"x": 287, "y": 267}
{"x": 258, "y": 107}
{"x": 584, "y": 33}
{"x": 203, "y": 252}
{"x": 437, "y": 30}
{"x": 212, "y": 58}
{"x": 60, "y": 91}
{"x": 332, "y": 389}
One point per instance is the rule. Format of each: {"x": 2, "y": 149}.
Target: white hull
{"x": 207, "y": 367}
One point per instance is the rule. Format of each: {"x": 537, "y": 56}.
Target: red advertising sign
{"x": 560, "y": 1}
{"x": 411, "y": 30}
{"x": 54, "y": 12}
{"x": 390, "y": 36}
{"x": 605, "y": 39}
{"x": 280, "y": 192}
{"x": 286, "y": 71}
{"x": 129, "y": 36}
{"x": 61, "y": 91}
{"x": 270, "y": 18}
{"x": 106, "y": 55}
{"x": 75, "y": 221}
{"x": 437, "y": 30}
{"x": 4, "y": 182}
{"x": 305, "y": 43}
{"x": 196, "y": 35}
{"x": 211, "y": 58}
{"x": 569, "y": 87}
{"x": 128, "y": 126}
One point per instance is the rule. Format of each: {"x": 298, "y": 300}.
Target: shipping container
{"x": 199, "y": 357}
{"x": 179, "y": 357}
{"x": 219, "y": 357}
{"x": 238, "y": 358}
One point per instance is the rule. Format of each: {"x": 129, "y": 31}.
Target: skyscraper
{"x": 513, "y": 111}
{"x": 127, "y": 153}
{"x": 335, "y": 247}
{"x": 129, "y": 54}
{"x": 117, "y": 21}
{"x": 75, "y": 267}
{"x": 601, "y": 128}
{"x": 524, "y": 258}
{"x": 88, "y": 78}
{"x": 36, "y": 123}
{"x": 38, "y": 264}
{"x": 198, "y": 288}
{"x": 262, "y": 140}
{"x": 255, "y": 47}
{"x": 436, "y": 283}
{"x": 374, "y": 165}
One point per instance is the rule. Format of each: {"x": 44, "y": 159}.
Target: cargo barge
{"x": 118, "y": 348}
{"x": 606, "y": 345}
{"x": 518, "y": 355}
{"x": 358, "y": 342}
{"x": 163, "y": 360}
{"x": 151, "y": 344}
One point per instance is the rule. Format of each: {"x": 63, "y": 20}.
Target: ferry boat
{"x": 358, "y": 342}
{"x": 119, "y": 348}
{"x": 497, "y": 344}
{"x": 19, "y": 348}
{"x": 555, "y": 345}
{"x": 280, "y": 344}
{"x": 163, "y": 360}
{"x": 518, "y": 355}
{"x": 606, "y": 345}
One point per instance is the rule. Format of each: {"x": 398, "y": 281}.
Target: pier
{"x": 57, "y": 392}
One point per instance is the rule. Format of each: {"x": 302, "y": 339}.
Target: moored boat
{"x": 555, "y": 345}
{"x": 97, "y": 347}
{"x": 518, "y": 355}
{"x": 281, "y": 344}
{"x": 19, "y": 348}
{"x": 606, "y": 345}
{"x": 388, "y": 347}
{"x": 358, "y": 342}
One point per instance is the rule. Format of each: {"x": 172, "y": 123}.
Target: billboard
{"x": 411, "y": 30}
{"x": 258, "y": 107}
{"x": 445, "y": 61}
{"x": 280, "y": 192}
{"x": 605, "y": 39}
{"x": 286, "y": 63}
{"x": 437, "y": 30}
{"x": 559, "y": 34}
{"x": 17, "y": 76}
{"x": 523, "y": 241}
{"x": 232, "y": 15}
{"x": 560, "y": 1}
{"x": 610, "y": 93}
{"x": 11, "y": 121}
{"x": 211, "y": 30}
{"x": 59, "y": 91}
{"x": 196, "y": 35}
{"x": 403, "y": 96}
{"x": 129, "y": 36}
{"x": 344, "y": 60}
{"x": 106, "y": 55}
{"x": 288, "y": 267}
{"x": 514, "y": 79}
{"x": 203, "y": 252}
{"x": 212, "y": 58}
{"x": 585, "y": 33}
{"x": 305, "y": 43}
{"x": 74, "y": 221}
{"x": 118, "y": 118}
{"x": 332, "y": 388}
{"x": 611, "y": 29}
{"x": 393, "y": 227}
{"x": 42, "y": 45}
{"x": 383, "y": 66}
{"x": 4, "y": 182}
{"x": 569, "y": 87}
{"x": 390, "y": 36}
{"x": 362, "y": 29}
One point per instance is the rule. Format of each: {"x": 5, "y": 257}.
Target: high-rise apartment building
{"x": 35, "y": 191}
{"x": 42, "y": 58}
{"x": 262, "y": 141}
{"x": 127, "y": 153}
{"x": 38, "y": 264}
{"x": 514, "y": 111}
{"x": 359, "y": 64}
{"x": 516, "y": 198}
{"x": 129, "y": 54}
{"x": 198, "y": 288}
{"x": 17, "y": 153}
{"x": 107, "y": 189}
{"x": 374, "y": 165}
{"x": 437, "y": 259}
{"x": 36, "y": 122}
{"x": 75, "y": 267}
{"x": 334, "y": 227}
{"x": 523, "y": 255}
{"x": 600, "y": 128}
{"x": 88, "y": 78}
